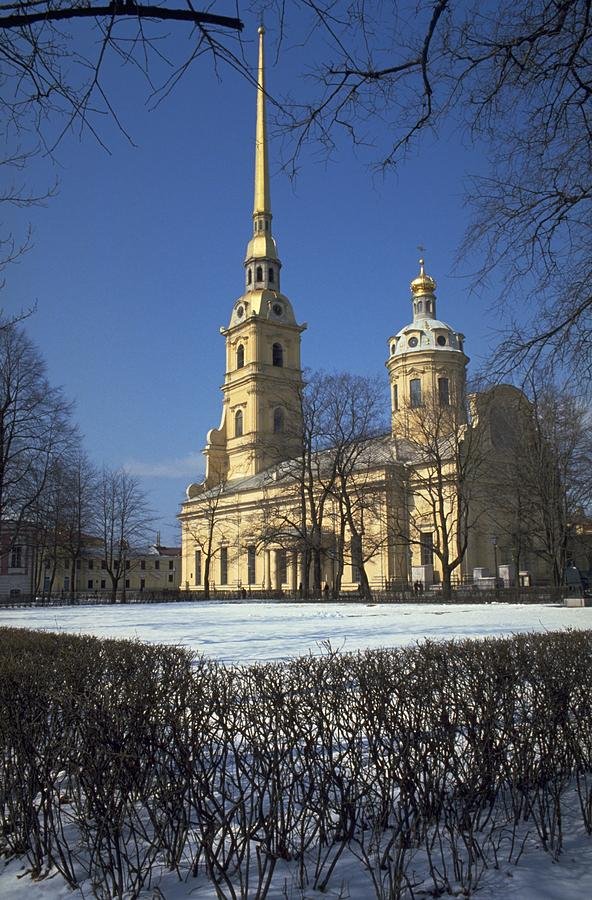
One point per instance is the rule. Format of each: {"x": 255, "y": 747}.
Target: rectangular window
{"x": 171, "y": 564}
{"x": 198, "y": 566}
{"x": 103, "y": 583}
{"x": 91, "y": 563}
{"x": 78, "y": 563}
{"x": 157, "y": 564}
{"x": 223, "y": 565}
{"x": 16, "y": 557}
{"x": 103, "y": 564}
{"x": 89, "y": 584}
{"x": 395, "y": 396}
{"x": 443, "y": 392}
{"x": 170, "y": 578}
{"x": 282, "y": 567}
{"x": 142, "y": 583}
{"x": 127, "y": 563}
{"x": 415, "y": 392}
{"x": 66, "y": 583}
{"x": 427, "y": 548}
{"x": 127, "y": 582}
{"x": 251, "y": 565}
{"x": 142, "y": 564}
{"x": 356, "y": 558}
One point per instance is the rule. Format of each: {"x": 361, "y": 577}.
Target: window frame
{"x": 415, "y": 400}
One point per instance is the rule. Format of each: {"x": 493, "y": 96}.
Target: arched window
{"x": 240, "y": 356}
{"x": 238, "y": 423}
{"x": 249, "y": 276}
{"x": 278, "y": 420}
{"x": 444, "y": 391}
{"x": 271, "y": 277}
{"x": 277, "y": 355}
{"x": 259, "y": 274}
{"x": 415, "y": 392}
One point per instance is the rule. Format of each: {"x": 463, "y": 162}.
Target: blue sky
{"x": 137, "y": 260}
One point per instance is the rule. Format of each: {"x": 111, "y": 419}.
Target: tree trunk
{"x": 316, "y": 571}
{"x": 364, "y": 583}
{"x": 73, "y": 578}
{"x": 446, "y": 584}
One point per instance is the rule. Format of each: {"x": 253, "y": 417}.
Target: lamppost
{"x": 494, "y": 542}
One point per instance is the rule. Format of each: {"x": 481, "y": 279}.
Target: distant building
{"x": 28, "y": 570}
{"x": 16, "y": 562}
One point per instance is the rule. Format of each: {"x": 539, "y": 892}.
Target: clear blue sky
{"x": 137, "y": 260}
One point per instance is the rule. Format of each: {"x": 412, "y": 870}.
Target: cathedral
{"x": 422, "y": 512}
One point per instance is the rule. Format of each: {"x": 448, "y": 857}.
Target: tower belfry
{"x": 426, "y": 363}
{"x": 261, "y": 420}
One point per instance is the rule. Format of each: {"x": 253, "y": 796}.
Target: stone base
{"x": 573, "y": 602}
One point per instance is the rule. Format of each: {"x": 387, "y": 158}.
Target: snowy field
{"x": 251, "y": 631}
{"x": 242, "y": 632}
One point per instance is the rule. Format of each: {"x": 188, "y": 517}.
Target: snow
{"x": 248, "y": 631}
{"x": 536, "y": 876}
{"x": 251, "y": 631}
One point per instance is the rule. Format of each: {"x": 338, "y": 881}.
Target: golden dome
{"x": 423, "y": 284}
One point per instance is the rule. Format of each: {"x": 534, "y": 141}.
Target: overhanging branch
{"x": 119, "y": 8}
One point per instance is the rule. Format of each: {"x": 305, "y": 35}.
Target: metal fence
{"x": 466, "y": 593}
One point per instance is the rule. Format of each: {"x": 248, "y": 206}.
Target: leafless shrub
{"x": 120, "y": 759}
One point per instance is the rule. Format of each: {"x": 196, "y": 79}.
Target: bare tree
{"x": 324, "y": 493}
{"x": 48, "y": 78}
{"x": 516, "y": 77}
{"x": 208, "y": 526}
{"x": 79, "y": 513}
{"x": 446, "y": 463}
{"x": 124, "y": 521}
{"x": 353, "y": 422}
{"x": 35, "y": 429}
{"x": 548, "y": 474}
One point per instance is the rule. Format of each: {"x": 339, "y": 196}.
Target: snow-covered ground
{"x": 250, "y": 631}
{"x": 535, "y": 877}
{"x": 241, "y": 632}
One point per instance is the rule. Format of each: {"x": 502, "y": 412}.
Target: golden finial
{"x": 423, "y": 284}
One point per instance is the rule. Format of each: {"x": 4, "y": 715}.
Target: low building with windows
{"x": 16, "y": 561}
{"x": 426, "y": 502}
{"x": 154, "y": 569}
{"x": 29, "y": 570}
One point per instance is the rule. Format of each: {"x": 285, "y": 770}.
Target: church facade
{"x": 423, "y": 503}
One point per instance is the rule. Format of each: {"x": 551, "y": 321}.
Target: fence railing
{"x": 466, "y": 593}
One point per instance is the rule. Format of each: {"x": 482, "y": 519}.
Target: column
{"x": 268, "y": 570}
{"x": 294, "y": 569}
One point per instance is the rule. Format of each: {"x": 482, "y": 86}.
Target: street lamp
{"x": 494, "y": 542}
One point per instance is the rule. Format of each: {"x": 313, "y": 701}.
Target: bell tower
{"x": 261, "y": 420}
{"x": 426, "y": 364}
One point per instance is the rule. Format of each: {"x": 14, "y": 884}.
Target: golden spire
{"x": 262, "y": 202}
{"x": 261, "y": 248}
